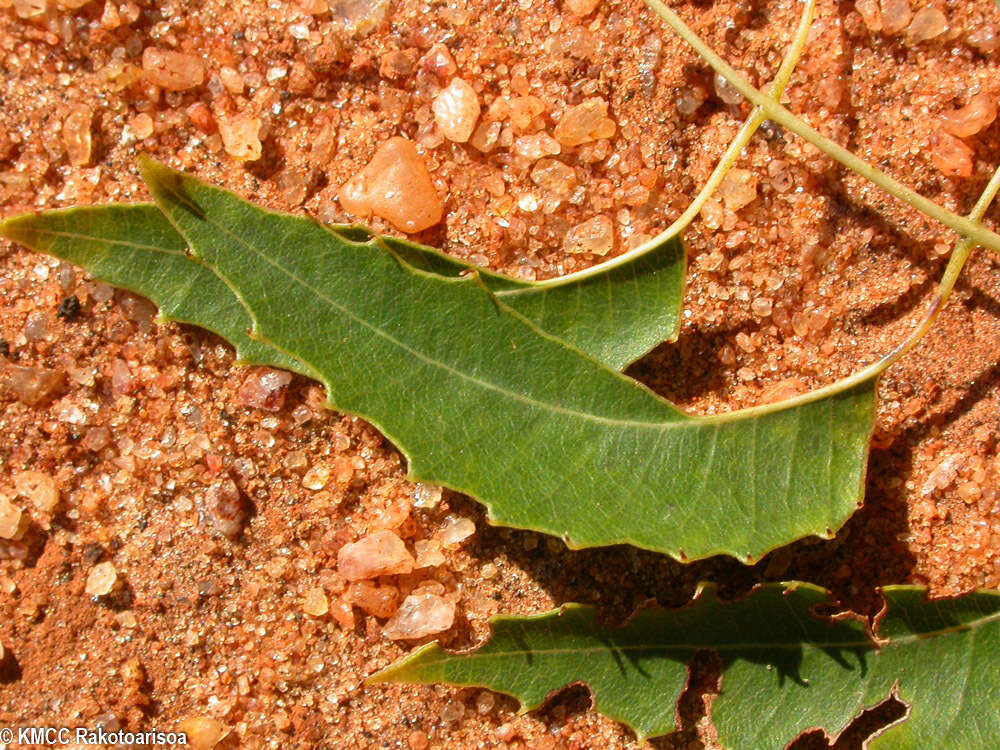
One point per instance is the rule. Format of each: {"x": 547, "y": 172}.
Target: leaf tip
{"x": 168, "y": 186}
{"x": 13, "y": 227}
{"x": 387, "y": 674}
{"x": 155, "y": 173}
{"x": 147, "y": 163}
{"x": 381, "y": 677}
{"x": 405, "y": 669}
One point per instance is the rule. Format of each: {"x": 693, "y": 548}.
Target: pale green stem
{"x": 959, "y": 255}
{"x": 774, "y": 111}
{"x": 727, "y": 160}
{"x": 753, "y": 122}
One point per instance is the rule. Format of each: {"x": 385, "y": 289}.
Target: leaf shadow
{"x": 859, "y": 732}
{"x": 620, "y": 580}
{"x": 696, "y": 353}
{"x": 10, "y": 668}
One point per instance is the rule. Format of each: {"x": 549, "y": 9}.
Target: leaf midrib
{"x": 729, "y": 646}
{"x": 104, "y": 240}
{"x": 684, "y": 420}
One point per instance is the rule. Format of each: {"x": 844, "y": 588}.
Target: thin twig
{"x": 728, "y": 159}
{"x": 959, "y": 255}
{"x": 964, "y": 226}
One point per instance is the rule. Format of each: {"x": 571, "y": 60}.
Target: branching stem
{"x": 757, "y": 117}
{"x": 773, "y": 110}
{"x": 766, "y": 106}
{"x": 959, "y": 255}
{"x": 726, "y": 162}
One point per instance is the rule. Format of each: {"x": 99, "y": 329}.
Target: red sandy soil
{"x": 819, "y": 274}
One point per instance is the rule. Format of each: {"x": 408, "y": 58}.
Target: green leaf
{"x": 136, "y": 248}
{"x": 615, "y": 312}
{"x": 482, "y": 401}
{"x": 785, "y": 671}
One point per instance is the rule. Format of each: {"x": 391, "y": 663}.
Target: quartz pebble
{"x": 359, "y": 17}
{"x": 984, "y": 38}
{"x": 783, "y": 390}
{"x": 522, "y": 111}
{"x": 231, "y": 79}
{"x": 452, "y": 711}
{"x": 595, "y": 236}
{"x": 395, "y": 186}
{"x": 726, "y": 91}
{"x": 142, "y": 126}
{"x": 241, "y": 137}
{"x": 581, "y": 7}
{"x": 226, "y": 508}
{"x": 395, "y": 64}
{"x": 110, "y": 17}
{"x": 101, "y": 579}
{"x": 420, "y": 615}
{"x": 761, "y": 307}
{"x": 738, "y": 189}
{"x": 378, "y": 601}
{"x": 554, "y": 176}
{"x": 426, "y": 495}
{"x": 139, "y": 310}
{"x": 31, "y": 385}
{"x": 780, "y": 173}
{"x": 456, "y": 530}
{"x": 36, "y": 328}
{"x": 456, "y": 110}
{"x": 76, "y": 135}
{"x": 950, "y": 155}
{"x": 316, "y": 477}
{"x": 870, "y": 13}
{"x": 896, "y": 15}
{"x": 485, "y": 702}
{"x": 486, "y": 136}
{"x": 928, "y": 23}
{"x": 343, "y": 613}
{"x": 535, "y": 146}
{"x": 584, "y": 123}
{"x": 972, "y": 118}
{"x": 439, "y": 62}
{"x": 121, "y": 377}
{"x": 429, "y": 553}
{"x": 690, "y": 100}
{"x": 96, "y": 438}
{"x": 315, "y": 603}
{"x": 201, "y": 117}
{"x": 293, "y": 186}
{"x": 39, "y": 488}
{"x": 203, "y": 733}
{"x": 29, "y": 8}
{"x": 171, "y": 70}
{"x": 712, "y": 213}
{"x": 944, "y": 474}
{"x": 378, "y": 554}
{"x": 13, "y": 521}
{"x": 264, "y": 388}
